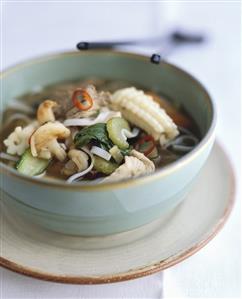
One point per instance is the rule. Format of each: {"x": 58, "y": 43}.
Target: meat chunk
{"x": 135, "y": 165}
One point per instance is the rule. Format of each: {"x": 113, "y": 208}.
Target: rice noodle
{"x": 80, "y": 174}
{"x": 103, "y": 117}
{"x": 101, "y": 153}
{"x": 8, "y": 157}
{"x": 180, "y": 144}
{"x": 127, "y": 134}
{"x": 40, "y": 175}
{"x": 15, "y": 104}
{"x": 16, "y": 116}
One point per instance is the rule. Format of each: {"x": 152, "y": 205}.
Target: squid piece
{"x": 142, "y": 111}
{"x": 18, "y": 141}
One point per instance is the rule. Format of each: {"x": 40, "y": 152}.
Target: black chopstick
{"x": 177, "y": 37}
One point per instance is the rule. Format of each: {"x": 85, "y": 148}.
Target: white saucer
{"x": 51, "y": 256}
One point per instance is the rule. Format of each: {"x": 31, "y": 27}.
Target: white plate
{"x": 51, "y": 256}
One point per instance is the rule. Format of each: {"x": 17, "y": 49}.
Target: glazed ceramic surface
{"x": 115, "y": 207}
{"x": 30, "y": 250}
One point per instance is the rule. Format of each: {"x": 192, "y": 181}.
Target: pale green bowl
{"x": 114, "y": 207}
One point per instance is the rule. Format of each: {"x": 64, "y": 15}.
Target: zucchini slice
{"x": 114, "y": 128}
{"x": 29, "y": 165}
{"x": 103, "y": 166}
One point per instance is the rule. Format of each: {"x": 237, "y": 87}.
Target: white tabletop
{"x": 35, "y": 28}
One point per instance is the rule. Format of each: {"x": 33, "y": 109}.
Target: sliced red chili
{"x": 82, "y": 99}
{"x": 146, "y": 141}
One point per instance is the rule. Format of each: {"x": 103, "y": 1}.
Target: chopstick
{"x": 176, "y": 37}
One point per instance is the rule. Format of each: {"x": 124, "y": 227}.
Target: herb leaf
{"x": 95, "y": 133}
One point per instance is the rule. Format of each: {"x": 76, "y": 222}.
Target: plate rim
{"x": 141, "y": 271}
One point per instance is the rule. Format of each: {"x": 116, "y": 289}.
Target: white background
{"x": 32, "y": 28}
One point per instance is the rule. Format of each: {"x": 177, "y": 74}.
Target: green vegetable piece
{"x": 116, "y": 154}
{"x": 103, "y": 166}
{"x": 29, "y": 165}
{"x": 114, "y": 128}
{"x": 97, "y": 132}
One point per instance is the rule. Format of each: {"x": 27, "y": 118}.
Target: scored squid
{"x": 142, "y": 111}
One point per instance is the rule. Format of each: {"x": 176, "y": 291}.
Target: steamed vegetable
{"x": 96, "y": 133}
{"x": 116, "y": 154}
{"x": 30, "y": 165}
{"x": 103, "y": 166}
{"x": 114, "y": 127}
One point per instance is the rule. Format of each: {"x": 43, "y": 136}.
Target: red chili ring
{"x": 80, "y": 92}
{"x": 146, "y": 138}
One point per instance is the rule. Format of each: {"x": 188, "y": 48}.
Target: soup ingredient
{"x": 116, "y": 154}
{"x": 104, "y": 115}
{"x": 114, "y": 127}
{"x": 96, "y": 133}
{"x": 30, "y": 165}
{"x": 78, "y": 162}
{"x": 79, "y": 158}
{"x": 45, "y": 111}
{"x": 81, "y": 174}
{"x": 127, "y": 134}
{"x": 154, "y": 154}
{"x": 82, "y": 99}
{"x": 103, "y": 166}
{"x": 183, "y": 143}
{"x": 99, "y": 102}
{"x": 145, "y": 145}
{"x": 98, "y": 151}
{"x": 179, "y": 118}
{"x": 20, "y": 106}
{"x": 16, "y": 117}
{"x": 135, "y": 165}
{"x": 44, "y": 144}
{"x": 140, "y": 110}
{"x": 17, "y": 141}
{"x": 8, "y": 157}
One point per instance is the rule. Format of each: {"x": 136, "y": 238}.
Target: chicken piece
{"x": 45, "y": 111}
{"x": 44, "y": 144}
{"x": 142, "y": 111}
{"x": 18, "y": 141}
{"x": 150, "y": 166}
{"x": 77, "y": 163}
{"x": 135, "y": 165}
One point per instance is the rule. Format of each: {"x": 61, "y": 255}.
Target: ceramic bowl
{"x": 102, "y": 209}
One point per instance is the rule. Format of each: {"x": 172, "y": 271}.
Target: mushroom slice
{"x": 44, "y": 144}
{"x": 45, "y": 111}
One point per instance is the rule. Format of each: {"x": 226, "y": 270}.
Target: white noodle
{"x": 127, "y": 134}
{"x": 15, "y": 104}
{"x": 40, "y": 175}
{"x": 103, "y": 117}
{"x": 16, "y": 116}
{"x": 101, "y": 153}
{"x": 80, "y": 174}
{"x": 8, "y": 157}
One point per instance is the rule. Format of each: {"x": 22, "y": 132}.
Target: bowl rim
{"x": 165, "y": 171}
